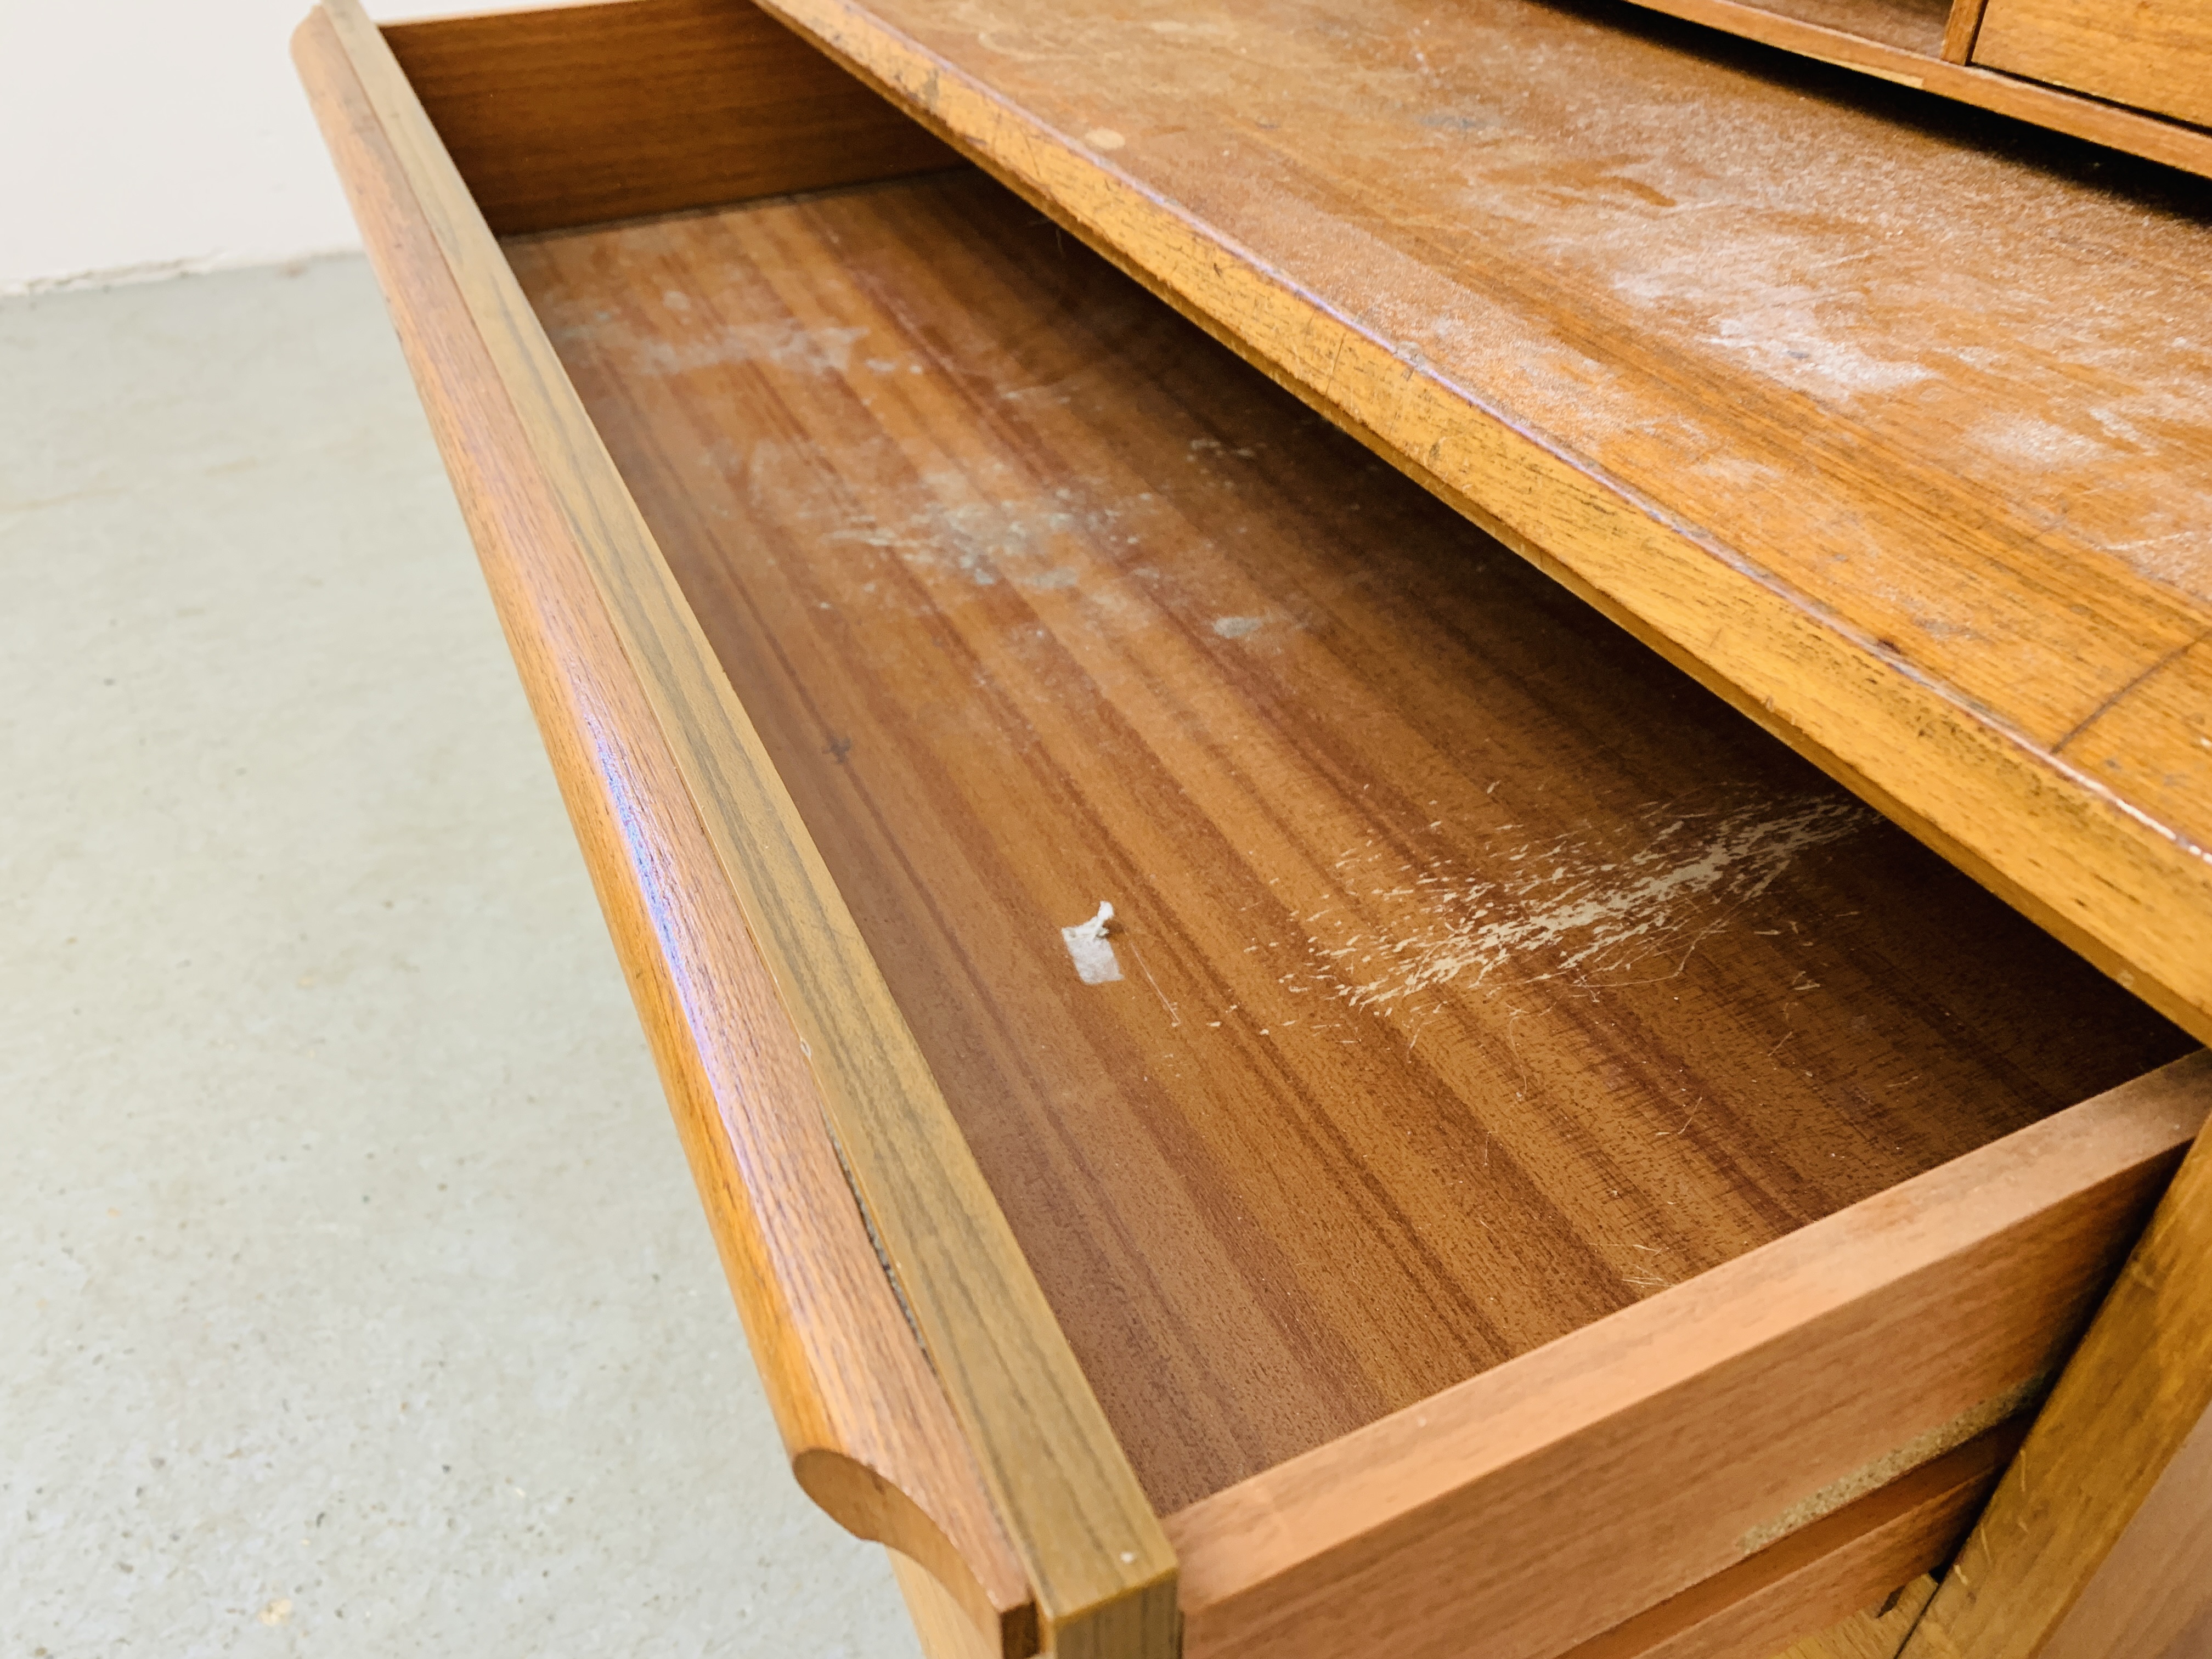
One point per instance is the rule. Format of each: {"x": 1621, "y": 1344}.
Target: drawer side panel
{"x": 865, "y": 1419}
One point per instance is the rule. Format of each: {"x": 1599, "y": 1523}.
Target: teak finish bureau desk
{"x": 1623, "y": 623}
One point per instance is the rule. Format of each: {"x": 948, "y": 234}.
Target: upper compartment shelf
{"x": 1915, "y": 26}
{"x": 2030, "y": 58}
{"x": 1901, "y": 443}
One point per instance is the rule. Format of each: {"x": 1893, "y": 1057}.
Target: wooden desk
{"x": 1521, "y": 1124}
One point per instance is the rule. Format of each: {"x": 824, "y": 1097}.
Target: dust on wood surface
{"x": 1886, "y": 412}
{"x": 1597, "y": 230}
{"x": 1476, "y": 972}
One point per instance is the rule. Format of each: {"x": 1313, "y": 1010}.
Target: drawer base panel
{"x": 1474, "y": 975}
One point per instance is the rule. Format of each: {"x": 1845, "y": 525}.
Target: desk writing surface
{"x": 1922, "y": 398}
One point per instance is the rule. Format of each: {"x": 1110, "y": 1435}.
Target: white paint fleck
{"x": 1090, "y": 949}
{"x": 1103, "y": 138}
{"x": 1236, "y": 628}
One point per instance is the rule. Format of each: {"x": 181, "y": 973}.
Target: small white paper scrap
{"x": 1091, "y": 951}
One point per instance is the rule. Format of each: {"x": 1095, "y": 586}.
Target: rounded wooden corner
{"x": 868, "y": 1506}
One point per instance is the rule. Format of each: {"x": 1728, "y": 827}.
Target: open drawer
{"x": 1529, "y": 1166}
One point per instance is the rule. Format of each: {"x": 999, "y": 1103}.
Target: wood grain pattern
{"x": 1918, "y": 47}
{"x": 1884, "y": 512}
{"x": 940, "y": 1624}
{"x": 2152, "y": 1598}
{"x": 1479, "y": 974}
{"x": 865, "y": 1423}
{"x": 1661, "y": 1445}
{"x": 1102, "y": 1600}
{"x": 582, "y": 112}
{"x": 1088, "y": 1545}
{"x": 1874, "y": 1634}
{"x": 1962, "y": 29}
{"x": 2153, "y": 54}
{"x": 1825, "y": 1576}
{"x": 2130, "y": 1398}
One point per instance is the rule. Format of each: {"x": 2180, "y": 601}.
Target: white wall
{"x": 145, "y": 137}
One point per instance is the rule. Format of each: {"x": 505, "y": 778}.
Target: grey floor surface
{"x": 353, "y": 1297}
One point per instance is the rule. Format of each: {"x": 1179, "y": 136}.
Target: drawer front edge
{"x": 977, "y": 1450}
{"x": 1666, "y": 1443}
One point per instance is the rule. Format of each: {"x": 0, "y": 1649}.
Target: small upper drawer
{"x": 2153, "y": 54}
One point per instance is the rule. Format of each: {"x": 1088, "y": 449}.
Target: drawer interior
{"x": 1473, "y": 971}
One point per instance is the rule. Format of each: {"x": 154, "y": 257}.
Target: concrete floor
{"x": 353, "y": 1296}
